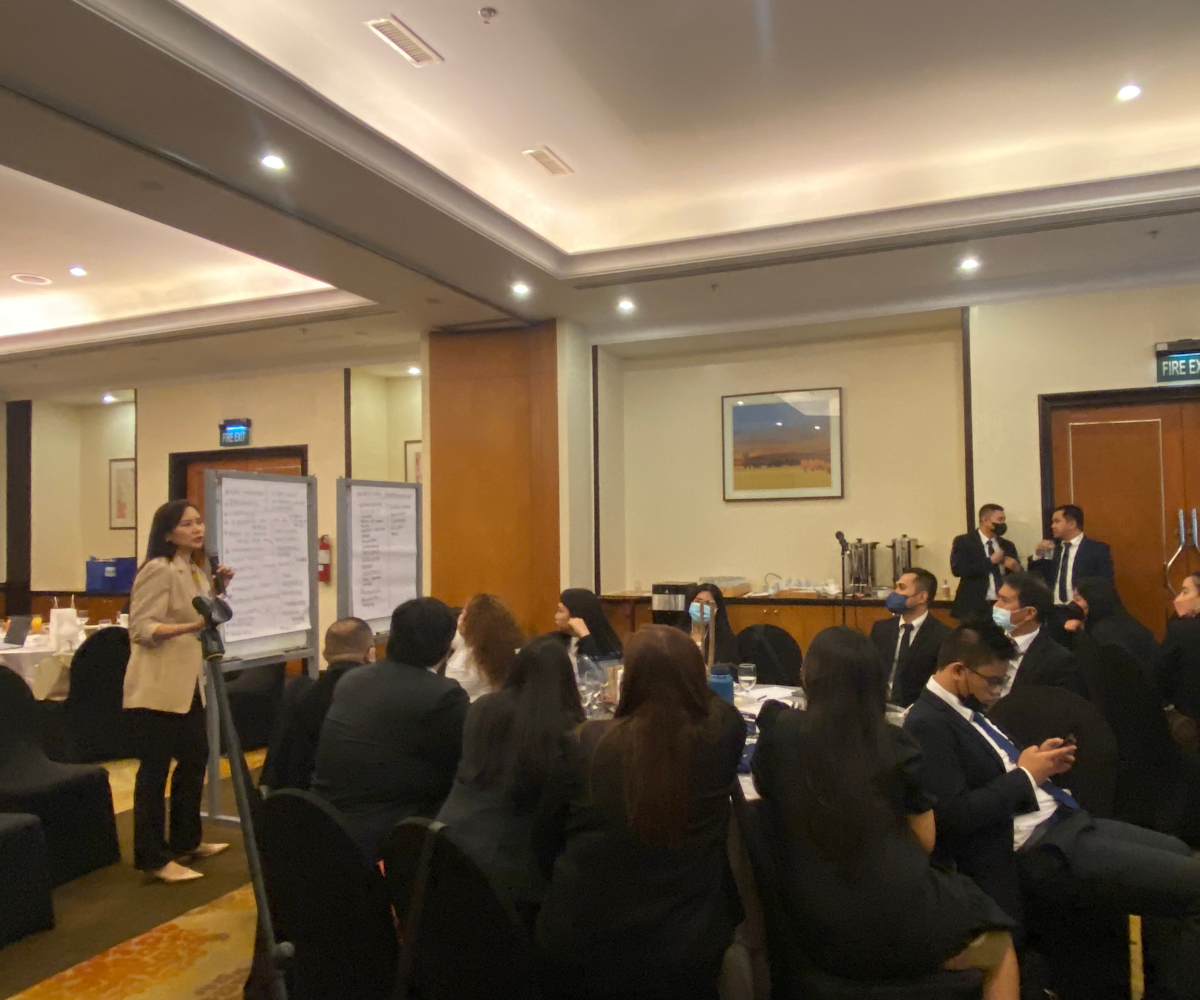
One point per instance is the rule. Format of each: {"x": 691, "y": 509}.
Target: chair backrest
{"x": 95, "y": 716}
{"x": 20, "y": 735}
{"x": 1031, "y": 715}
{"x": 773, "y": 651}
{"x": 327, "y": 900}
{"x": 462, "y": 938}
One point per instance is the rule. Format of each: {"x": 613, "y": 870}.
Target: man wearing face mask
{"x": 980, "y": 559}
{"x": 1023, "y": 839}
{"x": 909, "y": 641}
{"x": 1023, "y": 609}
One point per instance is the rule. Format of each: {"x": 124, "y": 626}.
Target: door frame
{"x": 178, "y": 462}
{"x": 1050, "y": 403}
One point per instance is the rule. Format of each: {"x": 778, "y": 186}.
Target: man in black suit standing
{"x": 1023, "y": 839}
{"x": 909, "y": 641}
{"x": 1024, "y": 609}
{"x": 1071, "y": 556}
{"x": 980, "y": 559}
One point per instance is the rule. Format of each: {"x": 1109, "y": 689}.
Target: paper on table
{"x": 264, "y": 540}
{"x": 383, "y": 540}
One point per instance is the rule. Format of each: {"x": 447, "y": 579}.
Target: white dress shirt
{"x": 990, "y": 545}
{"x": 916, "y": 624}
{"x": 462, "y": 667}
{"x": 1026, "y": 823}
{"x": 1070, "y": 569}
{"x": 1023, "y": 643}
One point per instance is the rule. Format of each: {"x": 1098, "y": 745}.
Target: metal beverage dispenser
{"x": 904, "y": 555}
{"x": 860, "y": 566}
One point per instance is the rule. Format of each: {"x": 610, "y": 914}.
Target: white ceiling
{"x": 716, "y": 116}
{"x": 135, "y": 266}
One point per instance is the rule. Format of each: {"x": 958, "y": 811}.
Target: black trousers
{"x": 161, "y": 737}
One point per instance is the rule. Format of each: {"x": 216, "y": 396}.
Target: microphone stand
{"x": 215, "y": 612}
{"x": 845, "y": 549}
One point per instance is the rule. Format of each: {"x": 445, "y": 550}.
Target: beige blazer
{"x": 163, "y": 673}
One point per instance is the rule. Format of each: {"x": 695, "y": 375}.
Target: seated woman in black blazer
{"x": 1178, "y": 669}
{"x": 1107, "y": 622}
{"x": 580, "y": 618}
{"x": 845, "y": 813}
{"x": 513, "y": 740}
{"x": 642, "y": 901}
{"x": 705, "y": 603}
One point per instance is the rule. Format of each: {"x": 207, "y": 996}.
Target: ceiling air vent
{"x": 549, "y": 161}
{"x": 404, "y": 40}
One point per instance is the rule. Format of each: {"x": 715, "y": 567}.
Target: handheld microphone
{"x": 218, "y": 583}
{"x": 841, "y": 537}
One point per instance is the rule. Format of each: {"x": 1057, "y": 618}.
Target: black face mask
{"x": 973, "y": 703}
{"x": 999, "y": 529}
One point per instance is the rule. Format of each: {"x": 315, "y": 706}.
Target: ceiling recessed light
{"x": 414, "y": 370}
{"x": 816, "y": 427}
{"x": 626, "y": 305}
{"x": 76, "y": 271}
{"x": 1129, "y": 92}
{"x": 273, "y": 162}
{"x": 109, "y": 398}
{"x": 520, "y": 289}
{"x": 32, "y": 279}
{"x": 969, "y": 264}
{"x": 778, "y": 423}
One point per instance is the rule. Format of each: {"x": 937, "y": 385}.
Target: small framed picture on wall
{"x": 412, "y": 461}
{"x": 782, "y": 445}
{"x": 122, "y": 493}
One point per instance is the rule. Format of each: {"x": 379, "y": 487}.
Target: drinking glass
{"x": 747, "y": 677}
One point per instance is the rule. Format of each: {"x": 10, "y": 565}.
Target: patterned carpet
{"x": 203, "y": 954}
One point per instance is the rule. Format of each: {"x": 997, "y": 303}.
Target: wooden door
{"x": 1126, "y": 467}
{"x": 187, "y": 468}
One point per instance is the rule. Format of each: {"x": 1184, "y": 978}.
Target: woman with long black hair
{"x": 852, "y": 828}
{"x": 642, "y": 903}
{"x": 513, "y": 740}
{"x": 580, "y": 617}
{"x": 706, "y": 604}
{"x": 164, "y": 692}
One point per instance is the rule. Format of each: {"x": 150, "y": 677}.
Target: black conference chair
{"x": 1031, "y": 715}
{"x": 793, "y": 975}
{"x": 461, "y": 938}
{"x": 773, "y": 651}
{"x": 254, "y": 698}
{"x": 25, "y": 904}
{"x": 1158, "y": 784}
{"x": 74, "y": 802}
{"x": 91, "y": 724}
{"x": 327, "y": 900}
{"x": 275, "y": 771}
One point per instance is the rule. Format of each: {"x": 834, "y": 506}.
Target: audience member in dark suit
{"x": 845, "y": 811}
{"x": 1023, "y": 610}
{"x": 513, "y": 740}
{"x": 1106, "y": 622}
{"x": 1024, "y": 839}
{"x": 910, "y": 640}
{"x": 980, "y": 559}
{"x": 642, "y": 901}
{"x": 1178, "y": 671}
{"x": 393, "y": 735}
{"x": 292, "y": 757}
{"x": 1071, "y": 556}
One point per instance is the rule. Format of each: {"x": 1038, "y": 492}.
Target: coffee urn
{"x": 904, "y": 555}
{"x": 860, "y": 567}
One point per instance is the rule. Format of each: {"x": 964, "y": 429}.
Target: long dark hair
{"x": 522, "y": 729}
{"x": 722, "y": 631}
{"x": 1102, "y": 598}
{"x": 584, "y": 604}
{"x": 840, "y": 808}
{"x": 664, "y": 701}
{"x": 166, "y": 519}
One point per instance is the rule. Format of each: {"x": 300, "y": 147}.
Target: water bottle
{"x": 721, "y": 681}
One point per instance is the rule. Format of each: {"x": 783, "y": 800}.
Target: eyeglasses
{"x": 992, "y": 682}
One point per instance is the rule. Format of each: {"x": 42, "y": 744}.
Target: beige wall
{"x": 1020, "y": 350}
{"x": 404, "y": 421}
{"x": 368, "y": 426}
{"x": 287, "y": 409}
{"x": 106, "y": 432}
{"x": 611, "y": 414}
{"x": 575, "y": 525}
{"x": 3, "y": 492}
{"x": 903, "y": 459}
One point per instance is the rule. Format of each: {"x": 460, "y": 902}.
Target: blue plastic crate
{"x": 114, "y": 576}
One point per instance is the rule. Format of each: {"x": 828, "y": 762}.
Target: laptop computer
{"x": 18, "y": 629}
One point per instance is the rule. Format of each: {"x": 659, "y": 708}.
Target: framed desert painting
{"x": 782, "y": 445}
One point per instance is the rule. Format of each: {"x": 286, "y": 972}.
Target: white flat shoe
{"x": 172, "y": 871}
{"x": 206, "y": 851}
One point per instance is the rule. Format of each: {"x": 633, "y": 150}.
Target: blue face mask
{"x": 1003, "y": 618}
{"x": 700, "y": 612}
{"x": 896, "y": 603}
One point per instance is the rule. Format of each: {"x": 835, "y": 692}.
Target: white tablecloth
{"x": 23, "y": 661}
{"x": 751, "y": 703}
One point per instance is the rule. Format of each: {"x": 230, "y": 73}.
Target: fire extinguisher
{"x": 324, "y": 560}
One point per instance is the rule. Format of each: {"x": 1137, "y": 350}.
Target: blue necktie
{"x": 1060, "y": 796}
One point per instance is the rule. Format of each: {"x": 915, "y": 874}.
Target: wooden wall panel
{"x": 493, "y": 469}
